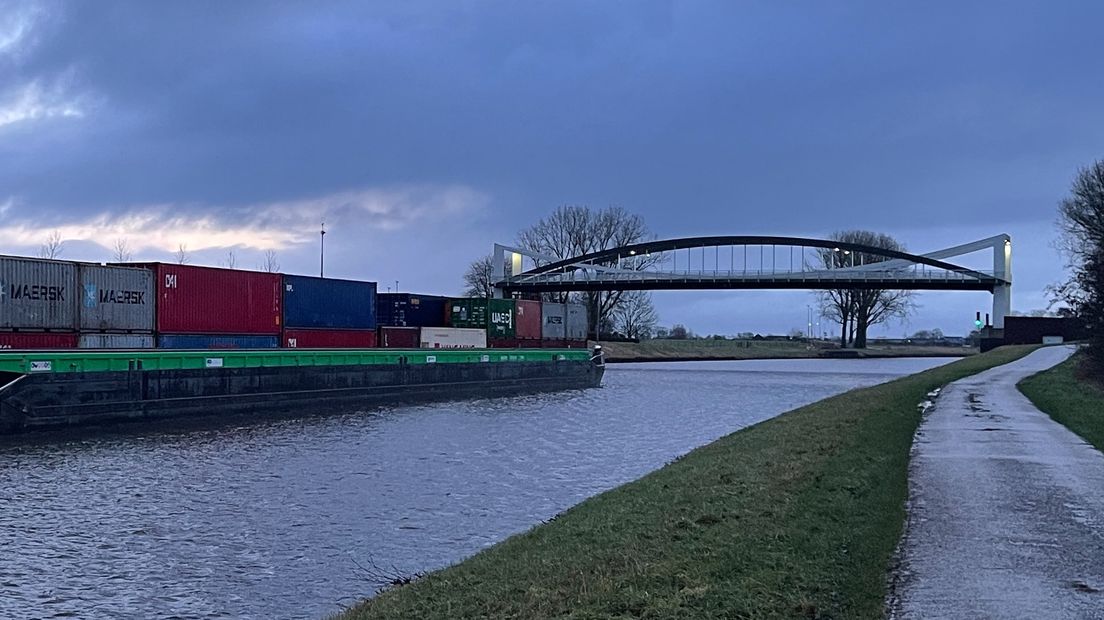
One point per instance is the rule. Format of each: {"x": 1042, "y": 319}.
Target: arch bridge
{"x": 756, "y": 262}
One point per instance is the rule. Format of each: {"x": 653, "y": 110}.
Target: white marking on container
{"x": 431, "y": 359}
{"x": 214, "y": 362}
{"x": 42, "y": 366}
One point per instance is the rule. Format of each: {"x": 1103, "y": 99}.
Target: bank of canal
{"x": 795, "y": 517}
{"x": 274, "y": 520}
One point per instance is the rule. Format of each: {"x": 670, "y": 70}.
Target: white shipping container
{"x": 116, "y": 299}
{"x": 453, "y": 338}
{"x": 576, "y": 324}
{"x": 37, "y": 294}
{"x": 553, "y": 321}
{"x": 115, "y": 341}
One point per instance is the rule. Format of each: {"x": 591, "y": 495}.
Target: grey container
{"x": 116, "y": 299}
{"x": 37, "y": 294}
{"x": 576, "y": 323}
{"x": 115, "y": 341}
{"x": 553, "y": 321}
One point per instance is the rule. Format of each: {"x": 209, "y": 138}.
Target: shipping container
{"x": 206, "y": 300}
{"x": 502, "y": 343}
{"x": 529, "y": 319}
{"x": 217, "y": 341}
{"x": 411, "y": 310}
{"x": 554, "y": 321}
{"x": 399, "y": 337}
{"x": 497, "y": 316}
{"x": 576, "y": 326}
{"x": 452, "y": 338}
{"x": 37, "y": 294}
{"x": 575, "y": 344}
{"x": 329, "y": 338}
{"x": 119, "y": 299}
{"x": 326, "y": 303}
{"x": 115, "y": 341}
{"x": 37, "y": 340}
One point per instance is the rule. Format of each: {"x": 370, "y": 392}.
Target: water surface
{"x": 286, "y": 519}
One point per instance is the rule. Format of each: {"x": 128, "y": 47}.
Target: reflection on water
{"x": 275, "y": 519}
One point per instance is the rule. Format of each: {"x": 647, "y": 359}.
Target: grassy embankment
{"x": 1070, "y": 399}
{"x": 661, "y": 350}
{"x": 796, "y": 517}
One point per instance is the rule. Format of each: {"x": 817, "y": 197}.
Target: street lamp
{"x": 322, "y": 253}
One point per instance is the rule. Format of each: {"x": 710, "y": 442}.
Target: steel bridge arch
{"x": 895, "y": 270}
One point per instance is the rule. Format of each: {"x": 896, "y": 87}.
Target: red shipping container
{"x": 529, "y": 343}
{"x": 503, "y": 343}
{"x": 399, "y": 337}
{"x": 206, "y": 300}
{"x": 329, "y": 338}
{"x": 575, "y": 344}
{"x": 528, "y": 320}
{"x": 37, "y": 340}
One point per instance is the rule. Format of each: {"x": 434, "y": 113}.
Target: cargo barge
{"x": 42, "y": 390}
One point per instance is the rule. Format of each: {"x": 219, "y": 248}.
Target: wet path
{"x": 1006, "y": 507}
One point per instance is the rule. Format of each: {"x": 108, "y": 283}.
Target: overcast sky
{"x": 423, "y": 132}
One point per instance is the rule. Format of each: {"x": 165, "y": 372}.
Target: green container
{"x": 497, "y": 316}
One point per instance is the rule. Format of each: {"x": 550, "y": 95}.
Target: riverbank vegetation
{"x": 795, "y": 517}
{"x": 708, "y": 349}
{"x": 1066, "y": 394}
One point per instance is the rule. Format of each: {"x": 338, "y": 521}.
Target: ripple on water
{"x": 280, "y": 519}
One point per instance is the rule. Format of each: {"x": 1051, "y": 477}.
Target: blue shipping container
{"x": 221, "y": 341}
{"x": 411, "y": 310}
{"x": 325, "y": 303}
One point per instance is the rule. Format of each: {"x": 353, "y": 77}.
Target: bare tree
{"x": 478, "y": 280}
{"x": 182, "y": 257}
{"x": 635, "y": 317}
{"x": 271, "y": 265}
{"x": 577, "y": 230}
{"x": 231, "y": 259}
{"x": 857, "y": 309}
{"x": 121, "y": 251}
{"x": 1081, "y": 223}
{"x": 51, "y": 248}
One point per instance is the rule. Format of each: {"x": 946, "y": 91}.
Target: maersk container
{"x": 399, "y": 337}
{"x": 118, "y": 299}
{"x": 497, "y": 316}
{"x": 217, "y": 341}
{"x": 37, "y": 340}
{"x": 37, "y": 294}
{"x": 327, "y": 303}
{"x": 576, "y": 325}
{"x": 452, "y": 338}
{"x": 554, "y": 321}
{"x": 329, "y": 338}
{"x": 206, "y": 300}
{"x": 529, "y": 319}
{"x": 410, "y": 310}
{"x": 115, "y": 341}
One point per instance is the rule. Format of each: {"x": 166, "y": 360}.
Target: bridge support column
{"x": 498, "y": 269}
{"x": 1002, "y": 268}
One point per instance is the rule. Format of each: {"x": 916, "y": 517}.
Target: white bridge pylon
{"x": 756, "y": 262}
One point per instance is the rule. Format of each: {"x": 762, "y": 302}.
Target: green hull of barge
{"x": 57, "y": 389}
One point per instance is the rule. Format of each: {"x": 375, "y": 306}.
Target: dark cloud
{"x": 704, "y": 117}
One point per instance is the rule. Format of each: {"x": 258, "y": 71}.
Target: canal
{"x": 295, "y": 518}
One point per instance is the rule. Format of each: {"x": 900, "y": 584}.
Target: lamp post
{"x": 322, "y": 253}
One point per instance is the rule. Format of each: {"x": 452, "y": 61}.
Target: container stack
{"x": 37, "y": 309}
{"x": 116, "y": 307}
{"x": 209, "y": 308}
{"x": 326, "y": 313}
{"x": 52, "y": 304}
{"x": 497, "y": 316}
{"x": 564, "y": 325}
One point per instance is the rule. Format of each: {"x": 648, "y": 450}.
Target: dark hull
{"x": 52, "y": 401}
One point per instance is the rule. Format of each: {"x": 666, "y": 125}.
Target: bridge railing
{"x": 583, "y": 274}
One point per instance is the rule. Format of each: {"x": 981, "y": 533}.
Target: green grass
{"x": 1070, "y": 399}
{"x": 796, "y": 517}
